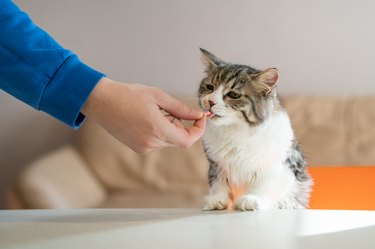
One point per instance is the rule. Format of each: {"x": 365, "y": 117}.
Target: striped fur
{"x": 255, "y": 159}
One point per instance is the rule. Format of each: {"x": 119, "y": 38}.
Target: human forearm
{"x": 35, "y": 69}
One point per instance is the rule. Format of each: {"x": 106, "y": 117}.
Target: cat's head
{"x": 237, "y": 93}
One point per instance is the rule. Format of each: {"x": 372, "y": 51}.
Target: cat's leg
{"x": 218, "y": 197}
{"x": 251, "y": 201}
{"x": 265, "y": 192}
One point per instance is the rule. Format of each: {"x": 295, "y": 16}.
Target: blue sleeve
{"x": 35, "y": 69}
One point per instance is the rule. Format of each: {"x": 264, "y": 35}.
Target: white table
{"x": 186, "y": 228}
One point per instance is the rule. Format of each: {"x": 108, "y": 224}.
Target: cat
{"x": 255, "y": 159}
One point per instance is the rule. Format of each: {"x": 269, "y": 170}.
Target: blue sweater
{"x": 35, "y": 69}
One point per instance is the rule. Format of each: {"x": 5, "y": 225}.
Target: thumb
{"x": 183, "y": 136}
{"x": 177, "y": 108}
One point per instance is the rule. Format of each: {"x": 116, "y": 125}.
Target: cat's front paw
{"x": 216, "y": 202}
{"x": 248, "y": 203}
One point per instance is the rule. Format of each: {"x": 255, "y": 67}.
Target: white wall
{"x": 320, "y": 47}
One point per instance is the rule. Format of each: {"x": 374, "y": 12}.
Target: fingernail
{"x": 201, "y": 114}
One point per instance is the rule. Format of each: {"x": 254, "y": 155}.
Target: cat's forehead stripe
{"x": 232, "y": 82}
{"x": 237, "y": 84}
{"x": 220, "y": 90}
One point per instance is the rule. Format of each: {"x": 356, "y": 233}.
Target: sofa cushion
{"x": 348, "y": 187}
{"x": 361, "y": 138}
{"x": 60, "y": 180}
{"x": 321, "y": 126}
{"x": 171, "y": 170}
{"x": 142, "y": 200}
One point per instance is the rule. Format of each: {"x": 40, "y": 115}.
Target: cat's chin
{"x": 214, "y": 121}
{"x": 213, "y": 116}
{"x": 220, "y": 120}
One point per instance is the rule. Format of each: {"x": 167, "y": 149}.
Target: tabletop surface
{"x": 186, "y": 228}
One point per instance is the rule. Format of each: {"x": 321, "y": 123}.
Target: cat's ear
{"x": 267, "y": 80}
{"x": 210, "y": 60}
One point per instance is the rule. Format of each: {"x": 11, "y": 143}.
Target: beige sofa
{"x": 98, "y": 171}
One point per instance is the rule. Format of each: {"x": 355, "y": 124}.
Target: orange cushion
{"x": 343, "y": 187}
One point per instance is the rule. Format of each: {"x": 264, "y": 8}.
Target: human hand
{"x": 134, "y": 115}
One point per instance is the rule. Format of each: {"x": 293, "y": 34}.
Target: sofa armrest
{"x": 12, "y": 199}
{"x": 60, "y": 179}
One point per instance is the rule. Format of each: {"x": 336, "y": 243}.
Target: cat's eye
{"x": 234, "y": 95}
{"x": 210, "y": 87}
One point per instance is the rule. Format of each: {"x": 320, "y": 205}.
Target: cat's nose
{"x": 211, "y": 103}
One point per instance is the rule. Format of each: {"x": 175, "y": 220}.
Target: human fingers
{"x": 197, "y": 129}
{"x": 184, "y": 136}
{"x": 177, "y": 108}
{"x": 174, "y": 120}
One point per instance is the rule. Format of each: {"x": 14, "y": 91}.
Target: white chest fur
{"x": 243, "y": 152}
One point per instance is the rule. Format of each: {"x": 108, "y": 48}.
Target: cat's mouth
{"x": 213, "y": 115}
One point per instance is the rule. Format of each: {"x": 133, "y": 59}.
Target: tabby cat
{"x": 255, "y": 160}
